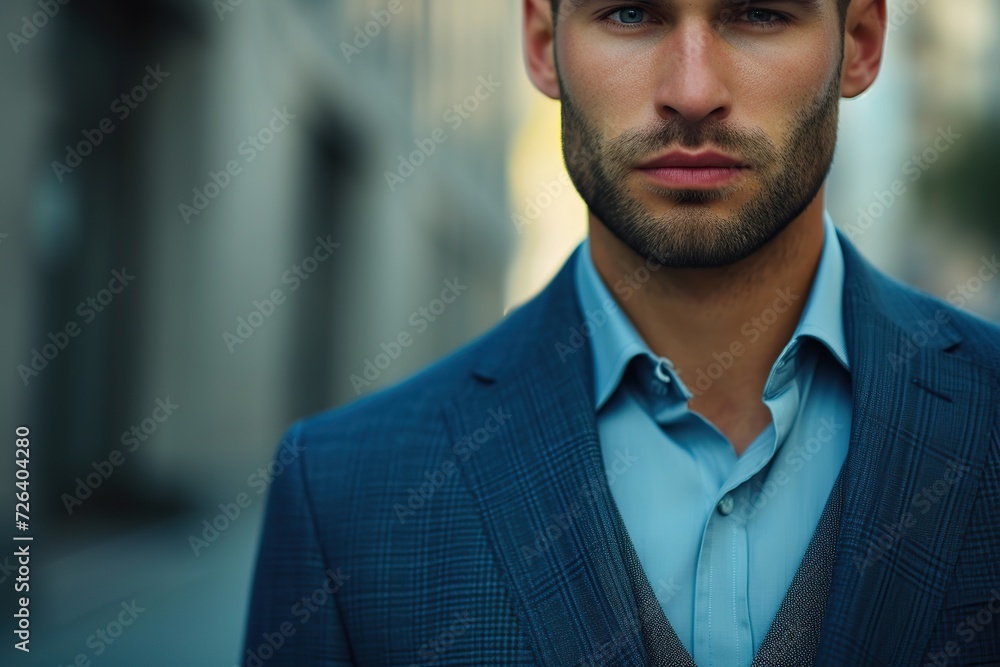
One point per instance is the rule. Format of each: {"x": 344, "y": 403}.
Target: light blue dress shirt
{"x": 720, "y": 536}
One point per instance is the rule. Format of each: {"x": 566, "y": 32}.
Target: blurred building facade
{"x": 130, "y": 203}
{"x": 358, "y": 91}
{"x": 307, "y": 209}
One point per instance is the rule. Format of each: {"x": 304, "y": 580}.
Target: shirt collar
{"x": 615, "y": 341}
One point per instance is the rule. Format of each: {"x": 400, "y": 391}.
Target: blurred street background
{"x": 218, "y": 216}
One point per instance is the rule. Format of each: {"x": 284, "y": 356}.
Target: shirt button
{"x": 661, "y": 372}
{"x": 726, "y": 505}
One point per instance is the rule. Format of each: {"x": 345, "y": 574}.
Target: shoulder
{"x": 925, "y": 320}
{"x": 410, "y": 414}
{"x": 407, "y": 418}
{"x": 929, "y": 317}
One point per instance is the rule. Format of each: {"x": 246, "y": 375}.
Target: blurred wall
{"x": 136, "y": 202}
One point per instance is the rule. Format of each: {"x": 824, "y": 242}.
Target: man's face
{"x": 696, "y": 131}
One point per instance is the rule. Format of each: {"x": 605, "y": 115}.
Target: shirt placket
{"x": 722, "y": 606}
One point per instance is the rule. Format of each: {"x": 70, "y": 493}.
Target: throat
{"x": 741, "y": 426}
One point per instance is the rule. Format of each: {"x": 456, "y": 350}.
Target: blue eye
{"x": 631, "y": 16}
{"x": 764, "y": 18}
{"x": 760, "y": 16}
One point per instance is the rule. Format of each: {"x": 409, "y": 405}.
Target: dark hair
{"x": 841, "y": 5}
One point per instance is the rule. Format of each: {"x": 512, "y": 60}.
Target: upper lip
{"x": 681, "y": 160}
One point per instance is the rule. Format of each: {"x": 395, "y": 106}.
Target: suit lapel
{"x": 921, "y": 416}
{"x": 540, "y": 485}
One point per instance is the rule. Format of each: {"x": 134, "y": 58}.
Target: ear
{"x": 864, "y": 41}
{"x": 539, "y": 45}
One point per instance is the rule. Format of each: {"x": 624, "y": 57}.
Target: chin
{"x": 692, "y": 204}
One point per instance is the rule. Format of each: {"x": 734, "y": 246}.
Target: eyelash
{"x": 778, "y": 20}
{"x": 623, "y": 26}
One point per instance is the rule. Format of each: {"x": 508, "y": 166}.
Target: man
{"x": 718, "y": 437}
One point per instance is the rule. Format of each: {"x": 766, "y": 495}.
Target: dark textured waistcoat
{"x": 793, "y": 637}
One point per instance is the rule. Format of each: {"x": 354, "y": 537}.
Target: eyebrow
{"x": 807, "y": 5}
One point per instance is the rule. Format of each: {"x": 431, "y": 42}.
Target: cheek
{"x": 770, "y": 87}
{"x": 613, "y": 85}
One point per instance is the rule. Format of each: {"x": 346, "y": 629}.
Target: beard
{"x": 691, "y": 235}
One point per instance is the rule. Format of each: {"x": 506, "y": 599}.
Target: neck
{"x": 741, "y": 316}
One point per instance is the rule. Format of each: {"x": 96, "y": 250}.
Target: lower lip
{"x": 700, "y": 177}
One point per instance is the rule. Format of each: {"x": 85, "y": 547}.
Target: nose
{"x": 692, "y": 86}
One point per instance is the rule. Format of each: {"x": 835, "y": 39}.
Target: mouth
{"x": 694, "y": 171}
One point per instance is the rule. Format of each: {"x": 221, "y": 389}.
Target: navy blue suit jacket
{"x": 463, "y": 517}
